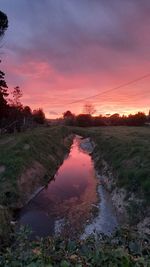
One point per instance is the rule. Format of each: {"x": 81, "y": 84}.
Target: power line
{"x": 112, "y": 89}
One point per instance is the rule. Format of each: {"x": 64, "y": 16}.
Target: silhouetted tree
{"x": 3, "y": 85}
{"x": 138, "y": 119}
{"x": 17, "y": 94}
{"x": 99, "y": 121}
{"x": 84, "y": 120}
{"x": 115, "y": 119}
{"x": 3, "y": 23}
{"x": 67, "y": 114}
{"x": 27, "y": 112}
{"x": 16, "y": 108}
{"x": 3, "y": 95}
{"x": 39, "y": 116}
{"x": 69, "y": 118}
{"x": 148, "y": 117}
{"x": 89, "y": 109}
{"x": 27, "y": 117}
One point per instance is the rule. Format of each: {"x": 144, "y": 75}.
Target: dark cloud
{"x": 53, "y": 112}
{"x": 78, "y": 35}
{"x": 75, "y": 46}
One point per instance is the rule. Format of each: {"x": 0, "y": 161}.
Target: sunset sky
{"x": 62, "y": 51}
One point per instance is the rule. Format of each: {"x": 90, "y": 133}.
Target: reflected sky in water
{"x": 67, "y": 197}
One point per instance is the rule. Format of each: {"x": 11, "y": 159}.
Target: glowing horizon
{"x": 60, "y": 52}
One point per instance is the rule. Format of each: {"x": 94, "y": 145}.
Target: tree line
{"x": 87, "y": 120}
{"x": 13, "y": 115}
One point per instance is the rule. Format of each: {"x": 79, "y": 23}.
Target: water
{"x": 64, "y": 206}
{"x": 106, "y": 220}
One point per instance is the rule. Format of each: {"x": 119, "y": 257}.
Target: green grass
{"x": 121, "y": 250}
{"x": 127, "y": 151}
{"x": 19, "y": 152}
{"x": 45, "y": 145}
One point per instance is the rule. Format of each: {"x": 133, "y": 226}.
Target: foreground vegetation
{"x": 121, "y": 250}
{"x": 127, "y": 151}
{"x": 28, "y": 161}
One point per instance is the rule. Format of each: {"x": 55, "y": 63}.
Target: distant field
{"x": 127, "y": 150}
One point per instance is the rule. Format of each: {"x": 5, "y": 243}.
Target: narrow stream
{"x": 65, "y": 205}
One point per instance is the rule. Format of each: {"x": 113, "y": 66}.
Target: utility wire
{"x": 112, "y": 89}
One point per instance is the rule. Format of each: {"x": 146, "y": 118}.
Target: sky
{"x": 62, "y": 51}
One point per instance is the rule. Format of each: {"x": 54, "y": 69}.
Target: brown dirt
{"x": 30, "y": 180}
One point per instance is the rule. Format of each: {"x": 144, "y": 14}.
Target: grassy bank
{"x": 28, "y": 161}
{"x": 127, "y": 151}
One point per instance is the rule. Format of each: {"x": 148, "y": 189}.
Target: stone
{"x": 26, "y": 147}
{"x": 2, "y": 168}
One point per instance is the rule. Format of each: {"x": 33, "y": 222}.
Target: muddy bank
{"x": 26, "y": 166}
{"x": 108, "y": 181}
{"x": 105, "y": 220}
{"x": 127, "y": 205}
{"x": 37, "y": 176}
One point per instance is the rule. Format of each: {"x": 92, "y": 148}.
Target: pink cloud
{"x": 61, "y": 56}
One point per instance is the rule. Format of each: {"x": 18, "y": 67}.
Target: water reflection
{"x": 68, "y": 197}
